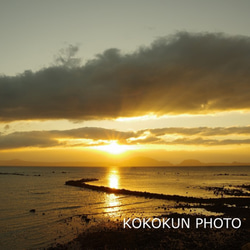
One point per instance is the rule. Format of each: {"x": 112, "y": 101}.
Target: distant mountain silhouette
{"x": 191, "y": 162}
{"x": 145, "y": 161}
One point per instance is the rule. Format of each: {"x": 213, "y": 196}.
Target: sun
{"x": 113, "y": 148}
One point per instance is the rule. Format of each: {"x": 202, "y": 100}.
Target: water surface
{"x": 58, "y": 208}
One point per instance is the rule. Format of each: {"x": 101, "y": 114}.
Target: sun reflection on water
{"x": 113, "y": 179}
{"x": 113, "y": 205}
{"x": 112, "y": 201}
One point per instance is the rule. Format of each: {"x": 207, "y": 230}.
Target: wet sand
{"x": 111, "y": 234}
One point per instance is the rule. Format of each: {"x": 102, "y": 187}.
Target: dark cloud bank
{"x": 98, "y": 136}
{"x": 182, "y": 73}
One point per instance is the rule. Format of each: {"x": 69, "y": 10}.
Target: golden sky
{"x": 185, "y": 94}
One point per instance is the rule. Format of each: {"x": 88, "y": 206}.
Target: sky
{"x": 101, "y": 80}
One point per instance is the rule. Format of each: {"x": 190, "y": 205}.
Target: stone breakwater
{"x": 238, "y": 201}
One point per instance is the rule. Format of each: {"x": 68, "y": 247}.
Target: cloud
{"x": 182, "y": 73}
{"x": 26, "y": 139}
{"x": 205, "y": 136}
{"x": 87, "y": 136}
{"x": 66, "y": 57}
{"x": 202, "y": 131}
{"x": 93, "y": 136}
{"x": 7, "y": 126}
{"x": 207, "y": 142}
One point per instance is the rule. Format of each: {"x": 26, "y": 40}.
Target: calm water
{"x": 57, "y": 206}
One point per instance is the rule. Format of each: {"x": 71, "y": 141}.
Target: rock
{"x": 246, "y": 246}
{"x": 32, "y": 210}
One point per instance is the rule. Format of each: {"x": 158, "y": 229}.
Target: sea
{"x": 38, "y": 210}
